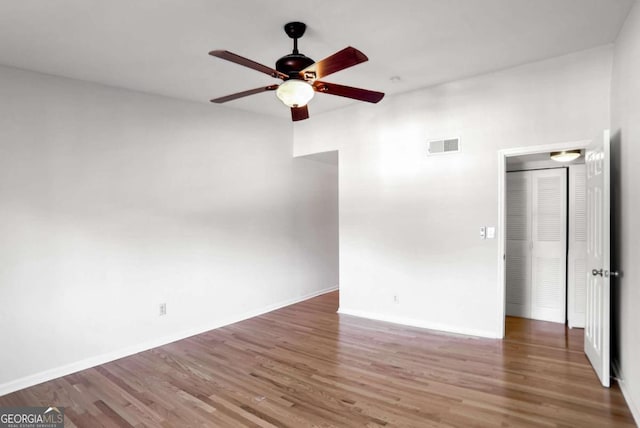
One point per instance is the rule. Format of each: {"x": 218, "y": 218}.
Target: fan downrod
{"x": 293, "y": 63}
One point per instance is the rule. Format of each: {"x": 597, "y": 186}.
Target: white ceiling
{"x": 161, "y": 46}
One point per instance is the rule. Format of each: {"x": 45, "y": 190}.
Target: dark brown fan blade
{"x": 347, "y": 57}
{"x": 299, "y": 113}
{"x": 230, "y": 56}
{"x": 348, "y": 91}
{"x": 244, "y": 94}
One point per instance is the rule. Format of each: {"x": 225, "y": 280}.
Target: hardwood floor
{"x": 305, "y": 365}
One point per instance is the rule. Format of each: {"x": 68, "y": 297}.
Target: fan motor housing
{"x": 292, "y": 64}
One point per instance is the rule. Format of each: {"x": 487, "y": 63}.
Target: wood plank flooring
{"x": 305, "y": 365}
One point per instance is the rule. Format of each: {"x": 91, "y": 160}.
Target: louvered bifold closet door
{"x": 577, "y": 261}
{"x": 549, "y": 249}
{"x": 518, "y": 254}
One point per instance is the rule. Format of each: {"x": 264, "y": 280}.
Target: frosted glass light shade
{"x": 565, "y": 155}
{"x": 295, "y": 92}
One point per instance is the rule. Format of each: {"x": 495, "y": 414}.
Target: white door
{"x": 577, "y": 255}
{"x": 518, "y": 251}
{"x": 596, "y": 334}
{"x": 536, "y": 244}
{"x": 549, "y": 249}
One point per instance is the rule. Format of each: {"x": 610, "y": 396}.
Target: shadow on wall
{"x": 616, "y": 248}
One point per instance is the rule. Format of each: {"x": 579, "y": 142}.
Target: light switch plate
{"x": 483, "y": 232}
{"x": 491, "y": 232}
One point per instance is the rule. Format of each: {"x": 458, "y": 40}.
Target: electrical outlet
{"x": 396, "y": 298}
{"x": 163, "y": 309}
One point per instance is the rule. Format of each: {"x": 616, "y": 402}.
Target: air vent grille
{"x": 449, "y": 145}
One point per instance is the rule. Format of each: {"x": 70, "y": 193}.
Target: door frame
{"x": 502, "y": 198}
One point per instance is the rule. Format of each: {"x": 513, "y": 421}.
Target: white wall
{"x": 112, "y": 202}
{"x": 409, "y": 224}
{"x": 625, "y": 131}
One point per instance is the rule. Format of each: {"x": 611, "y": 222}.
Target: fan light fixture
{"x": 295, "y": 92}
{"x": 566, "y": 155}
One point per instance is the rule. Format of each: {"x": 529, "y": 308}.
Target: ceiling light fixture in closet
{"x": 566, "y": 155}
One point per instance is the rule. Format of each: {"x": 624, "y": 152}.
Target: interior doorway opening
{"x": 597, "y": 234}
{"x": 536, "y": 209}
{"x": 316, "y": 218}
{"x": 545, "y": 255}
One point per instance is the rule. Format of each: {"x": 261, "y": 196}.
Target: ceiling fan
{"x": 300, "y": 75}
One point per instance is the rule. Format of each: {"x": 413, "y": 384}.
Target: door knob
{"x": 596, "y": 272}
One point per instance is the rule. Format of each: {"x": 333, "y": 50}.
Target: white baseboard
{"x": 56, "y": 372}
{"x": 420, "y": 323}
{"x": 627, "y": 394}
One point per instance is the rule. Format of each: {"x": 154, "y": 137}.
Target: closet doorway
{"x": 545, "y": 239}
